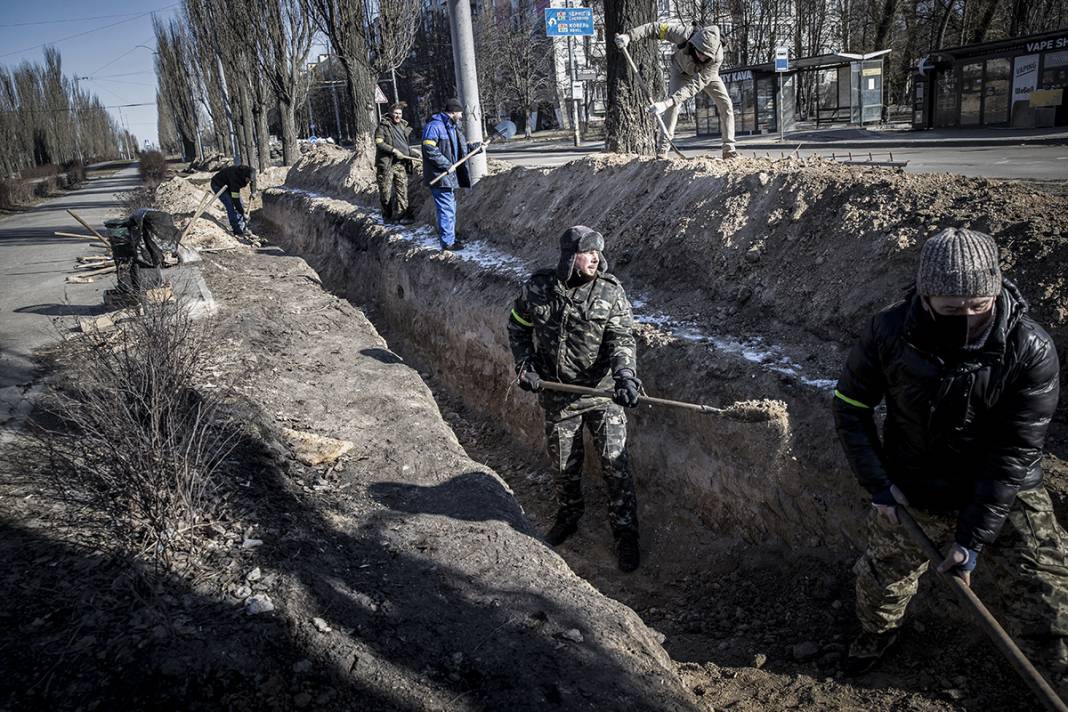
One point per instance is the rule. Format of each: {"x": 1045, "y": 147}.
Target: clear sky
{"x": 98, "y": 39}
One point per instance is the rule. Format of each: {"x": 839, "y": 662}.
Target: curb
{"x": 822, "y": 145}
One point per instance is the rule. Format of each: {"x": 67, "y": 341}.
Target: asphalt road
{"x": 1038, "y": 163}
{"x": 33, "y": 266}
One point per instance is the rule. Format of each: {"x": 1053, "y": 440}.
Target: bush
{"x": 14, "y": 193}
{"x": 140, "y": 453}
{"x": 153, "y": 167}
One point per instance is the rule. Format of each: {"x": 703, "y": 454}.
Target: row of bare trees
{"x": 225, "y": 72}
{"x": 46, "y": 119}
{"x": 231, "y": 76}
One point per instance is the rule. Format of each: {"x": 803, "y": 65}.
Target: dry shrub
{"x": 153, "y": 166}
{"x": 143, "y": 197}
{"x": 140, "y": 450}
{"x": 14, "y": 193}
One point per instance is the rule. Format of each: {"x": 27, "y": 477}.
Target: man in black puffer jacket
{"x": 970, "y": 383}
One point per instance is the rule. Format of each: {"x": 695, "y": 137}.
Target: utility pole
{"x": 463, "y": 58}
{"x": 396, "y": 96}
{"x": 574, "y": 81}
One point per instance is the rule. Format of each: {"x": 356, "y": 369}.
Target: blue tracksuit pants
{"x": 445, "y": 210}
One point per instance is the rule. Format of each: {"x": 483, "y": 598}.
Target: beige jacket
{"x": 700, "y": 73}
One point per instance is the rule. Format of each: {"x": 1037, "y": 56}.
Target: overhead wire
{"x": 87, "y": 32}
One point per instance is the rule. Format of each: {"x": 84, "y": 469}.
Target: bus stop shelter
{"x": 828, "y": 89}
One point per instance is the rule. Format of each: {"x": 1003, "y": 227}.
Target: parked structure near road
{"x": 1018, "y": 82}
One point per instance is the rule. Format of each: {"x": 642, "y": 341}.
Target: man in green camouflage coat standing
{"x": 394, "y": 162}
{"x": 573, "y": 325}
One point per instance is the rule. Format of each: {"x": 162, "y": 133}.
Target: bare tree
{"x": 174, "y": 68}
{"x": 392, "y": 35}
{"x": 346, "y": 25}
{"x": 514, "y": 61}
{"x": 628, "y": 129}
{"x": 283, "y": 30}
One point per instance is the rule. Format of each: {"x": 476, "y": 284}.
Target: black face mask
{"x": 949, "y": 332}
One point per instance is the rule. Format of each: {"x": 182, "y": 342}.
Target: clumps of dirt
{"x": 758, "y": 411}
{"x": 180, "y": 197}
{"x": 333, "y": 170}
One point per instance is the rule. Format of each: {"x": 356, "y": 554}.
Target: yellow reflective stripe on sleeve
{"x": 235, "y": 194}
{"x": 663, "y": 31}
{"x": 380, "y": 140}
{"x": 429, "y": 142}
{"x": 520, "y": 320}
{"x": 838, "y": 394}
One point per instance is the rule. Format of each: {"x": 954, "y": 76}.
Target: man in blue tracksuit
{"x": 443, "y": 145}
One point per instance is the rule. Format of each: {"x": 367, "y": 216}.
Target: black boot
{"x": 566, "y": 525}
{"x": 866, "y": 650}
{"x": 629, "y": 555}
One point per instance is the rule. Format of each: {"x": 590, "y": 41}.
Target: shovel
{"x": 986, "y": 620}
{"x": 744, "y": 412}
{"x": 659, "y": 118}
{"x": 454, "y": 166}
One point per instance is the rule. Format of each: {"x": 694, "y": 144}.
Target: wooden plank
{"x": 86, "y": 225}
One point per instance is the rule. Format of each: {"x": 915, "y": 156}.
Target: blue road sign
{"x": 568, "y": 21}
{"x": 782, "y": 59}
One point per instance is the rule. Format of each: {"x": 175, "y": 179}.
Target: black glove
{"x": 627, "y": 387}
{"x": 530, "y": 381}
{"x": 472, "y": 147}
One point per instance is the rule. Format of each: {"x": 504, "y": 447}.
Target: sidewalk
{"x": 847, "y": 137}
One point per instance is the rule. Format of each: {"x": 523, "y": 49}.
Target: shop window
{"x": 1050, "y": 107}
{"x": 744, "y": 105}
{"x": 996, "y": 91}
{"x": 765, "y": 105}
{"x": 946, "y": 105}
{"x": 971, "y": 93}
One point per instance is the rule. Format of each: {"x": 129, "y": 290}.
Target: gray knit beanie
{"x": 959, "y": 263}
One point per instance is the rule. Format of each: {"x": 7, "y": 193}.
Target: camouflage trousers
{"x": 608, "y": 426}
{"x": 393, "y": 190}
{"x": 1026, "y": 570}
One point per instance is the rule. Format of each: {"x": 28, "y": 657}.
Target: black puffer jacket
{"x": 963, "y": 432}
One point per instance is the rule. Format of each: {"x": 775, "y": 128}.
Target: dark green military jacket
{"x": 580, "y": 335}
{"x": 390, "y": 137}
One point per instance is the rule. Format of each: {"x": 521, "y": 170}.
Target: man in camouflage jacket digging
{"x": 573, "y": 325}
{"x": 970, "y": 383}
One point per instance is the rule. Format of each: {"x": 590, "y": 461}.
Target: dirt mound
{"x": 738, "y": 247}
{"x": 210, "y": 163}
{"x": 332, "y": 170}
{"x": 180, "y": 197}
{"x": 350, "y": 175}
{"x": 270, "y": 177}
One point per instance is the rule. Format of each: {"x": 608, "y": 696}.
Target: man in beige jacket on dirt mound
{"x": 694, "y": 68}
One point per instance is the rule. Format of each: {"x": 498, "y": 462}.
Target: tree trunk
{"x": 248, "y": 131}
{"x": 189, "y": 148}
{"x": 361, "y": 88}
{"x": 628, "y": 129}
{"x": 941, "y": 38}
{"x": 263, "y": 136}
{"x": 984, "y": 22}
{"x": 290, "y": 150}
{"x": 886, "y": 21}
{"x": 263, "y": 131}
